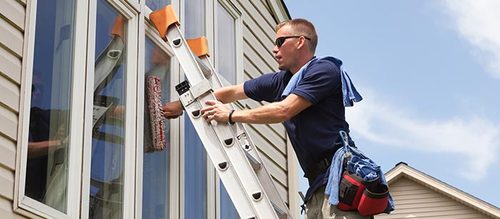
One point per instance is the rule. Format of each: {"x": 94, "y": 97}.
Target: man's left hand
{"x": 215, "y": 110}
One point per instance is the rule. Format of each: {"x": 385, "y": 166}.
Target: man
{"x": 311, "y": 107}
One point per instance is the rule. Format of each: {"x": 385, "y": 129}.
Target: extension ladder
{"x": 229, "y": 147}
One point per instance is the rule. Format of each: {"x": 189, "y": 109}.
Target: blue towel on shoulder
{"x": 349, "y": 92}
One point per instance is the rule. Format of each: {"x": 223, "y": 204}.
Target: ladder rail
{"x": 227, "y": 145}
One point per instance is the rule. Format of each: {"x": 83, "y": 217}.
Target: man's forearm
{"x": 270, "y": 113}
{"x": 230, "y": 94}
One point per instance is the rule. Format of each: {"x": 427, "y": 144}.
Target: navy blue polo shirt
{"x": 314, "y": 131}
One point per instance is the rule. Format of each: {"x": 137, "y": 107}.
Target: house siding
{"x": 413, "y": 200}
{"x": 258, "y": 34}
{"x": 12, "y": 17}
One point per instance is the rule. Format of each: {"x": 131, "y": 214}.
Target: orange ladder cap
{"x": 118, "y": 26}
{"x": 199, "y": 46}
{"x": 163, "y": 18}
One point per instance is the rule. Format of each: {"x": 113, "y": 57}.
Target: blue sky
{"x": 429, "y": 72}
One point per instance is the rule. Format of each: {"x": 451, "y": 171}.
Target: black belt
{"x": 323, "y": 164}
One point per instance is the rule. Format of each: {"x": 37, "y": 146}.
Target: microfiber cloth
{"x": 349, "y": 92}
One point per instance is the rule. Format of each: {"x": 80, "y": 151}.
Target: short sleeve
{"x": 265, "y": 87}
{"x": 320, "y": 80}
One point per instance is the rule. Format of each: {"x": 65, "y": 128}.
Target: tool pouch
{"x": 374, "y": 199}
{"x": 350, "y": 191}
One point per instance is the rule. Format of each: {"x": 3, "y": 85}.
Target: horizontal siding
{"x": 263, "y": 51}
{"x": 8, "y": 126}
{"x": 277, "y": 173}
{"x": 252, "y": 18}
{"x": 6, "y": 209}
{"x": 9, "y": 94}
{"x": 413, "y": 200}
{"x": 260, "y": 141}
{"x": 256, "y": 59}
{"x": 7, "y": 153}
{"x": 11, "y": 65}
{"x": 11, "y": 38}
{"x": 7, "y": 182}
{"x": 14, "y": 12}
{"x": 263, "y": 10}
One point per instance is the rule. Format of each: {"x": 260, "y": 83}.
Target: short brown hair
{"x": 302, "y": 27}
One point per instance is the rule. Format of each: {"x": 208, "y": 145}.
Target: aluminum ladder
{"x": 229, "y": 147}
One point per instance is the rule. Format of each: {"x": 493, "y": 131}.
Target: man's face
{"x": 285, "y": 54}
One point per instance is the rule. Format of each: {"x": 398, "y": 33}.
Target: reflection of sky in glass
{"x": 156, "y": 4}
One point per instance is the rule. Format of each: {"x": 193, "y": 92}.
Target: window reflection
{"x": 156, "y": 138}
{"x": 195, "y": 159}
{"x": 157, "y": 4}
{"x": 106, "y": 183}
{"x": 226, "y": 44}
{"x": 47, "y": 163}
{"x": 226, "y": 63}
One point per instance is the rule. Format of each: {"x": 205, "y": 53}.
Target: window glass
{"x": 226, "y": 64}
{"x": 226, "y": 44}
{"x": 157, "y": 4}
{"x": 156, "y": 134}
{"x": 195, "y": 159}
{"x": 106, "y": 183}
{"x": 46, "y": 171}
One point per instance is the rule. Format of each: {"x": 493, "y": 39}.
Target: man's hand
{"x": 172, "y": 110}
{"x": 215, "y": 111}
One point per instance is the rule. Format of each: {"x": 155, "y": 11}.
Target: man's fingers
{"x": 210, "y": 102}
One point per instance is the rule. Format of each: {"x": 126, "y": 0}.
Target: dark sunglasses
{"x": 280, "y": 40}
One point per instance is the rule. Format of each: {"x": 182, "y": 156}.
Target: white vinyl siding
{"x": 413, "y": 200}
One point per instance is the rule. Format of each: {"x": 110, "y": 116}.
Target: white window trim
{"x": 131, "y": 14}
{"x": 23, "y": 204}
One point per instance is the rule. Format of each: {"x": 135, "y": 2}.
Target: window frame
{"x": 130, "y": 13}
{"x": 23, "y": 204}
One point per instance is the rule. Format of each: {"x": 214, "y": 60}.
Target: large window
{"x": 108, "y": 131}
{"x": 226, "y": 20}
{"x": 156, "y": 144}
{"x": 195, "y": 159}
{"x": 49, "y": 124}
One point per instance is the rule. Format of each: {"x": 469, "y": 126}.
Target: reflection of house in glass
{"x": 77, "y": 129}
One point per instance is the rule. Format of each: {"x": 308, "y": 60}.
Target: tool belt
{"x": 367, "y": 197}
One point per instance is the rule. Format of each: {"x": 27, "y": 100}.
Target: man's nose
{"x": 275, "y": 49}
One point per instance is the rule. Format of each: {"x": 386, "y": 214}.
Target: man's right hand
{"x": 172, "y": 110}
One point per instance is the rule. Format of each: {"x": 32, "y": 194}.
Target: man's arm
{"x": 224, "y": 94}
{"x": 271, "y": 113}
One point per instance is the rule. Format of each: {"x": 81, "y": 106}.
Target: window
{"x": 50, "y": 109}
{"x": 195, "y": 158}
{"x": 156, "y": 168}
{"x": 108, "y": 131}
{"x": 227, "y": 51}
{"x": 227, "y": 19}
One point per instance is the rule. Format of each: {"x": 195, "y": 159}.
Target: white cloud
{"x": 474, "y": 140}
{"x": 478, "y": 21}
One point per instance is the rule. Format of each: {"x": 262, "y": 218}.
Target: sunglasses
{"x": 280, "y": 40}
